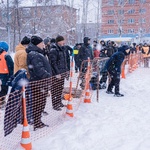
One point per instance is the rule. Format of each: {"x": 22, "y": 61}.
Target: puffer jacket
{"x": 113, "y": 65}
{"x": 20, "y": 59}
{"x": 38, "y": 66}
{"x": 58, "y": 60}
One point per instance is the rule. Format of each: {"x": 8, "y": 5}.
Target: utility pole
{"x": 8, "y": 23}
{"x": 98, "y": 19}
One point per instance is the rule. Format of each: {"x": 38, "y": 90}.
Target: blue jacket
{"x": 15, "y": 80}
{"x": 115, "y": 61}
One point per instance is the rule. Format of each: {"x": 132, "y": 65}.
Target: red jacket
{"x": 96, "y": 53}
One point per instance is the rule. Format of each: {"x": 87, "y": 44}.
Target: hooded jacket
{"x": 85, "y": 51}
{"x": 113, "y": 65}
{"x": 38, "y": 66}
{"x": 20, "y": 58}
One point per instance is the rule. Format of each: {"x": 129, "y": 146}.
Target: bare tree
{"x": 85, "y": 4}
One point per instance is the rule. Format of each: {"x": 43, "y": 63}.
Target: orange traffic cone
{"x": 123, "y": 74}
{"x": 69, "y": 110}
{"x": 25, "y": 141}
{"x": 87, "y": 98}
{"x": 123, "y": 70}
{"x": 130, "y": 69}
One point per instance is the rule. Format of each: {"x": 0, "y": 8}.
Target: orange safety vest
{"x": 146, "y": 49}
{"x": 3, "y": 64}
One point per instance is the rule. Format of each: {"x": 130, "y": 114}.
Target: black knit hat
{"x": 35, "y": 40}
{"x": 46, "y": 40}
{"x": 53, "y": 40}
{"x": 59, "y": 38}
{"x": 25, "y": 40}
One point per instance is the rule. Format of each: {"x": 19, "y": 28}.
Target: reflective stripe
{"x": 25, "y": 141}
{"x": 87, "y": 97}
{"x": 87, "y": 90}
{"x": 69, "y": 111}
{"x": 24, "y": 94}
{"x": 26, "y": 128}
{"x": 70, "y": 79}
{"x": 69, "y": 102}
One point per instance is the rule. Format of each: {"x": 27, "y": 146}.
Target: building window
{"x": 110, "y": 21}
{"x": 131, "y": 1}
{"x": 131, "y": 11}
{"x": 121, "y": 21}
{"x": 130, "y": 21}
{"x": 142, "y": 11}
{"x": 120, "y": 2}
{"x": 130, "y": 30}
{"x": 111, "y": 2}
{"x": 141, "y": 30}
{"x": 142, "y": 1}
{"x": 121, "y": 12}
{"x": 110, "y": 31}
{"x": 142, "y": 20}
{"x": 110, "y": 12}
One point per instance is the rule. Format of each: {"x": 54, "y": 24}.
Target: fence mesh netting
{"x": 45, "y": 102}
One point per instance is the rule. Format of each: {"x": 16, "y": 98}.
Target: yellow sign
{"x": 75, "y": 51}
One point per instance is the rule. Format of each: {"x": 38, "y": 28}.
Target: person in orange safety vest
{"x": 6, "y": 68}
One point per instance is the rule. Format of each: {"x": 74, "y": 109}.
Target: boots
{"x": 102, "y": 85}
{"x": 118, "y": 95}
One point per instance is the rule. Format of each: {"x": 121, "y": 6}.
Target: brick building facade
{"x": 125, "y": 18}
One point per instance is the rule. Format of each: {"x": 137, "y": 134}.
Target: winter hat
{"x": 86, "y": 39}
{"x": 94, "y": 41}
{"x": 4, "y": 46}
{"x": 25, "y": 41}
{"x": 124, "y": 48}
{"x": 46, "y": 40}
{"x": 53, "y": 40}
{"x": 35, "y": 40}
{"x": 59, "y": 38}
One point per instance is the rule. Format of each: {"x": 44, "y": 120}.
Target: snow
{"x": 112, "y": 124}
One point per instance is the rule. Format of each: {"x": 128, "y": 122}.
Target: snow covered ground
{"x": 112, "y": 124}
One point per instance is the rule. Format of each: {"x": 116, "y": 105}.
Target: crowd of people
{"x": 51, "y": 58}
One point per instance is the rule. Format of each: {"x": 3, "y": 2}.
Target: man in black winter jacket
{"x": 107, "y": 51}
{"x": 58, "y": 62}
{"x": 113, "y": 67}
{"x": 39, "y": 68}
{"x": 85, "y": 52}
